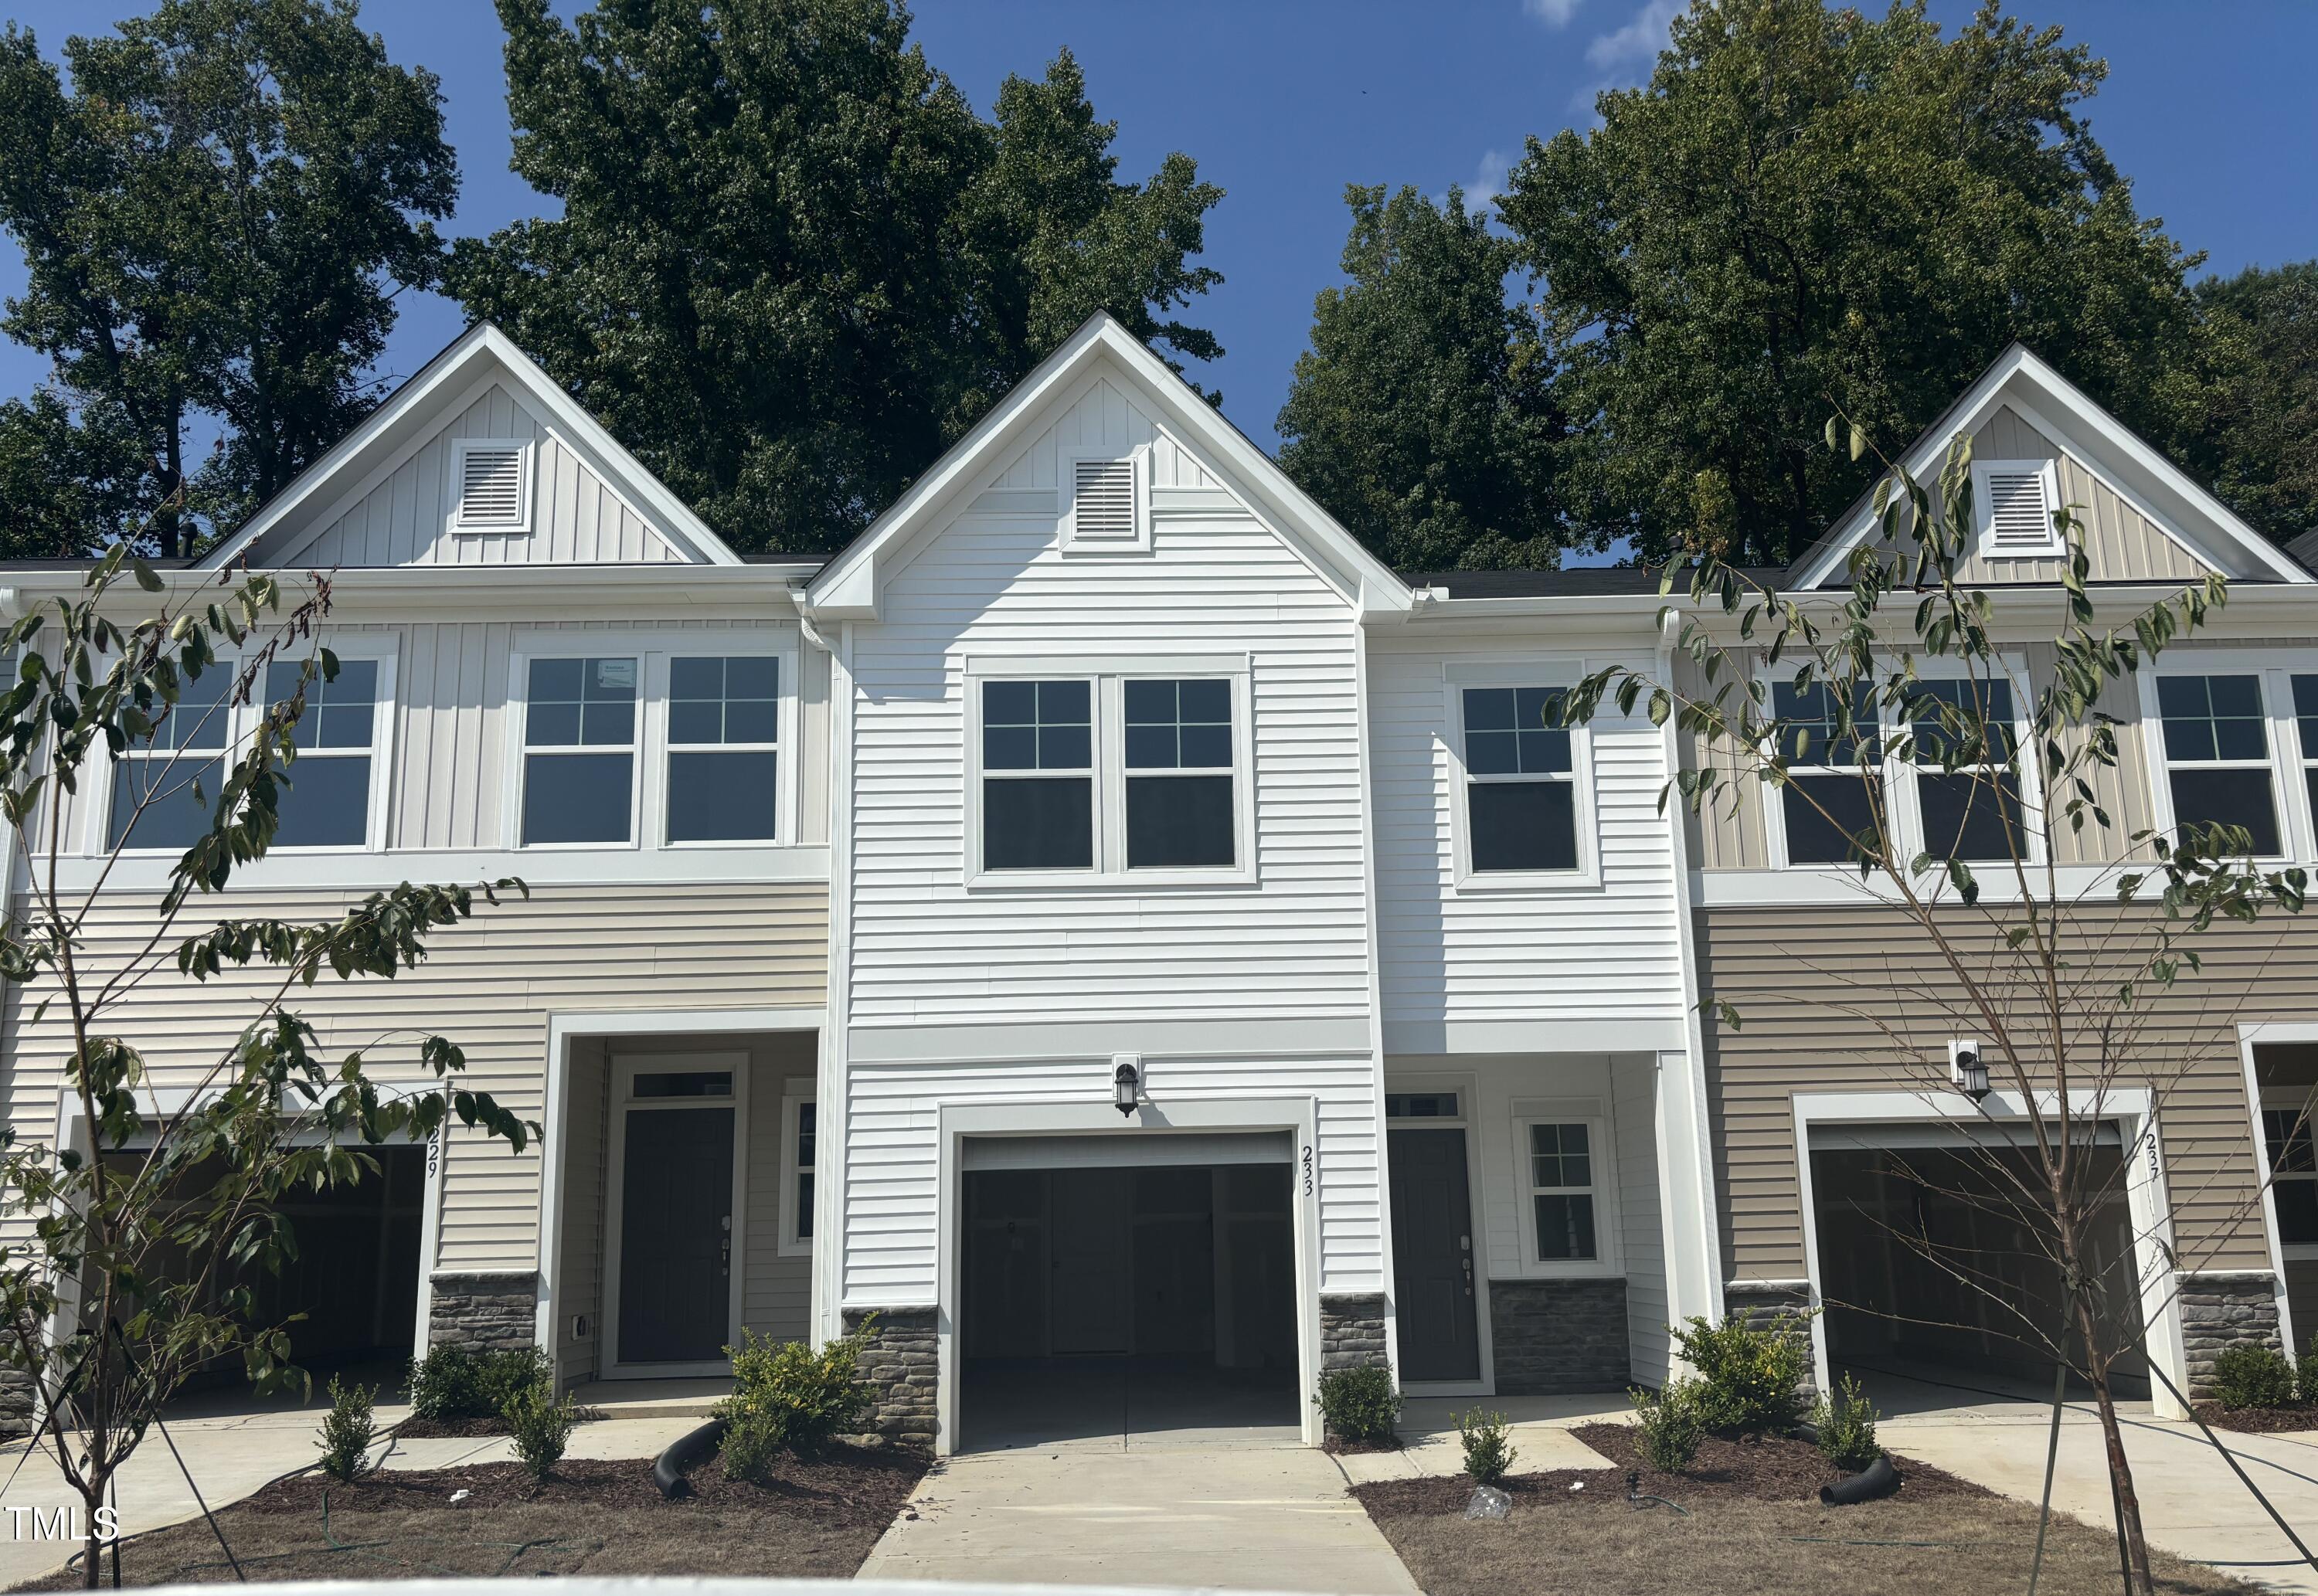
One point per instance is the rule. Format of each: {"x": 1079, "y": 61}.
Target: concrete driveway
{"x": 2191, "y": 1503}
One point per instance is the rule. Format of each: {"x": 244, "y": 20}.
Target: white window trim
{"x": 1594, "y": 1114}
{"x": 1535, "y": 671}
{"x": 1983, "y": 508}
{"x": 1903, "y": 802}
{"x": 241, "y": 724}
{"x": 801, "y": 1090}
{"x": 648, "y": 773}
{"x": 2274, "y": 672}
{"x": 527, "y": 450}
{"x": 783, "y": 748}
{"x": 1109, "y": 871}
{"x": 1066, "y": 487}
{"x": 624, "y": 1069}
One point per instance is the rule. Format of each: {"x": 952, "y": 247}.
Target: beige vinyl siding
{"x": 2121, "y": 544}
{"x": 1726, "y": 833}
{"x": 576, "y": 516}
{"x": 489, "y": 985}
{"x": 1816, "y": 987}
{"x": 776, "y": 1292}
{"x": 579, "y": 1262}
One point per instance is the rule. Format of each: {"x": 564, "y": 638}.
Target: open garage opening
{"x": 1106, "y": 1295}
{"x": 1940, "y": 1273}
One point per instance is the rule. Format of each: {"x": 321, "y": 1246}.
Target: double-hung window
{"x": 1109, "y": 772}
{"x": 579, "y": 750}
{"x": 164, "y": 789}
{"x": 723, "y": 753}
{"x": 1560, "y": 1174}
{"x": 1834, "y": 789}
{"x": 1521, "y": 782}
{"x": 1967, "y": 779}
{"x": 2292, "y": 1174}
{"x": 1037, "y": 775}
{"x": 2217, "y": 761}
{"x": 2306, "y": 720}
{"x": 1179, "y": 813}
{"x": 328, "y": 801}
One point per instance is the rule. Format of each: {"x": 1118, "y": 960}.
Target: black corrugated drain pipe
{"x": 1878, "y": 1479}
{"x": 688, "y": 1452}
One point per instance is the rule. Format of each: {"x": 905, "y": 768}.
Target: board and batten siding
{"x": 2121, "y": 544}
{"x": 576, "y": 518}
{"x": 892, "y": 1157}
{"x": 1805, "y": 979}
{"x": 1611, "y": 952}
{"x": 488, "y": 984}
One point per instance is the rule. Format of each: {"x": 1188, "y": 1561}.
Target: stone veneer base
{"x": 499, "y": 1309}
{"x": 2222, "y": 1309}
{"x": 902, "y": 1364}
{"x": 1553, "y": 1338}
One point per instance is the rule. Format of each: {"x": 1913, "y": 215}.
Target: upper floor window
{"x": 1834, "y": 791}
{"x": 2294, "y": 1174}
{"x": 1967, "y": 782}
{"x": 1112, "y": 774}
{"x": 328, "y": 800}
{"x": 2217, "y": 766}
{"x": 1521, "y": 788}
{"x": 2306, "y": 720}
{"x": 580, "y": 751}
{"x": 723, "y": 753}
{"x": 1038, "y": 781}
{"x": 164, "y": 790}
{"x": 1179, "y": 780}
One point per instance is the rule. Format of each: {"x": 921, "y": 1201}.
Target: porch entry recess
{"x": 676, "y": 1128}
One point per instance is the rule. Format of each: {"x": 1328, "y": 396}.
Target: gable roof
{"x": 849, "y": 587}
{"x": 400, "y": 422}
{"x": 2138, "y": 474}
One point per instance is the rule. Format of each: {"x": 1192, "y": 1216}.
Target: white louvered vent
{"x": 2018, "y": 515}
{"x": 490, "y": 487}
{"x": 1103, "y": 501}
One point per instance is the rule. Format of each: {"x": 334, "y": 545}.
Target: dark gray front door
{"x": 1433, "y": 1256}
{"x": 676, "y": 1227}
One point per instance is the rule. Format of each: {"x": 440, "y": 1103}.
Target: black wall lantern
{"x": 1968, "y": 1069}
{"x": 1126, "y": 1085}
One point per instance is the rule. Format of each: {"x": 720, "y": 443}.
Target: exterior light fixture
{"x": 1125, "y": 1084}
{"x": 1968, "y": 1069}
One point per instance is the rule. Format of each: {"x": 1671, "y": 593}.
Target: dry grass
{"x": 817, "y": 1519}
{"x": 1735, "y": 1547}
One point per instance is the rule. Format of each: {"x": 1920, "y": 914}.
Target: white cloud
{"x": 1553, "y": 14}
{"x": 1489, "y": 180}
{"x": 1637, "y": 43}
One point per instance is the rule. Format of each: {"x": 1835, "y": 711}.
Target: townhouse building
{"x": 1107, "y": 928}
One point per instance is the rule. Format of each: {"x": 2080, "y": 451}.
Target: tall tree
{"x": 794, "y": 263}
{"x": 2251, "y": 410}
{"x": 216, "y": 217}
{"x": 1807, "y": 206}
{"x": 1423, "y": 415}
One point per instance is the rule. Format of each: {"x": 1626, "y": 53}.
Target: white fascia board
{"x": 2152, "y": 483}
{"x": 453, "y": 370}
{"x": 848, "y": 588}
{"x": 431, "y": 591}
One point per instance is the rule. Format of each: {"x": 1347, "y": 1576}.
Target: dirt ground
{"x": 1751, "y": 1525}
{"x": 817, "y": 1519}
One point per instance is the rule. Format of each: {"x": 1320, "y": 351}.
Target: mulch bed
{"x": 2260, "y": 1420}
{"x": 1774, "y": 1468}
{"x": 1345, "y": 1446}
{"x": 418, "y": 1427}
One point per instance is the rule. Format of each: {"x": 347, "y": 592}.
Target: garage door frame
{"x": 954, "y": 1122}
{"x": 2129, "y": 1108}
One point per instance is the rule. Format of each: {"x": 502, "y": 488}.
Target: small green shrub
{"x": 1359, "y": 1403}
{"x": 1668, "y": 1424}
{"x": 348, "y": 1430}
{"x": 457, "y": 1380}
{"x": 1750, "y": 1379}
{"x": 2305, "y": 1372}
{"x": 1847, "y": 1427}
{"x": 542, "y": 1425}
{"x": 2253, "y": 1375}
{"x": 787, "y": 1397}
{"x": 1489, "y": 1450}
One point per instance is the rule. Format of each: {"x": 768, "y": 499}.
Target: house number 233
{"x": 1306, "y": 1163}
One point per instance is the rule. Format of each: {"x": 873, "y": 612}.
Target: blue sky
{"x": 1283, "y": 103}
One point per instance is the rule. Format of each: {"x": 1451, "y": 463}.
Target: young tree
{"x": 215, "y": 219}
{"x": 1825, "y": 702}
{"x": 793, "y": 264}
{"x": 127, "y": 1251}
{"x": 1805, "y": 201}
{"x": 1423, "y": 415}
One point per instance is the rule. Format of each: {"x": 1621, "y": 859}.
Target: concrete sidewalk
{"x": 1242, "y": 1516}
{"x": 2191, "y": 1505}
{"x": 233, "y": 1454}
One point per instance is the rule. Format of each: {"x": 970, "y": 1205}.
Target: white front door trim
{"x": 625, "y": 1067}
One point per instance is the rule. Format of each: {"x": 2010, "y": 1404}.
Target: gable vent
{"x": 2018, "y": 515}
{"x": 1102, "y": 499}
{"x": 490, "y": 487}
